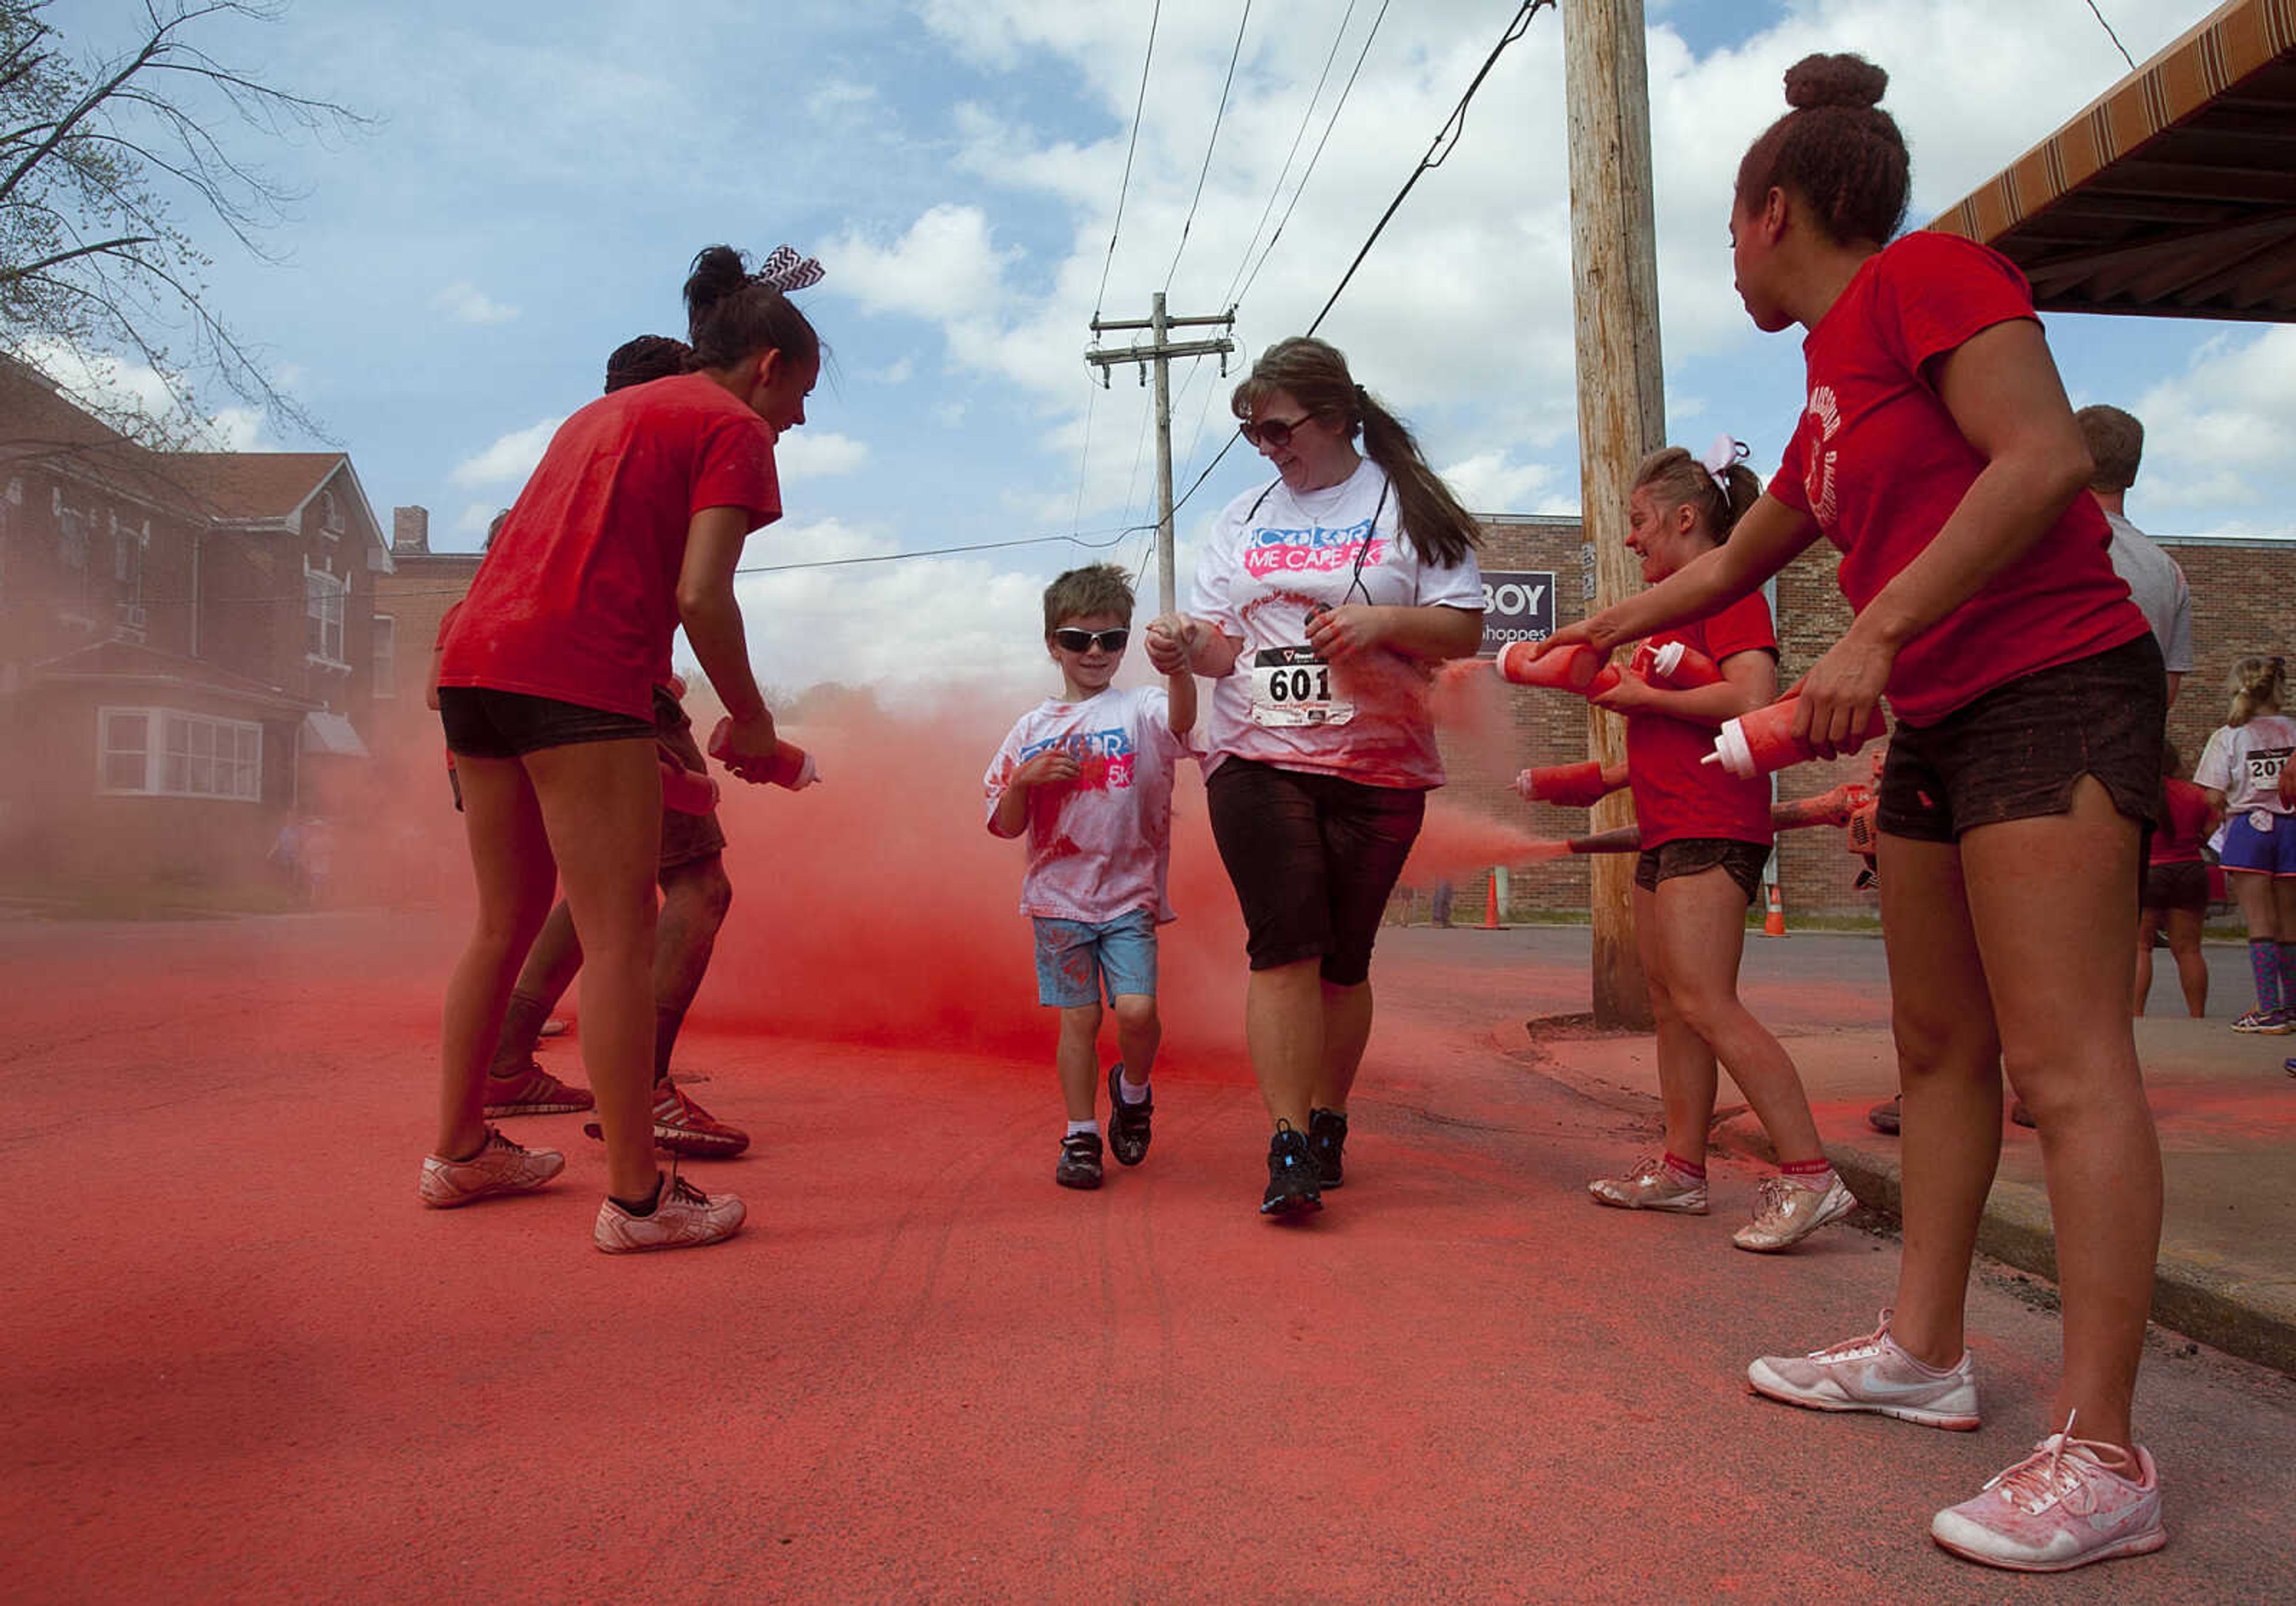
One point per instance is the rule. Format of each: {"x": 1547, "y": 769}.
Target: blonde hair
{"x": 2255, "y": 686}
{"x": 1675, "y": 479}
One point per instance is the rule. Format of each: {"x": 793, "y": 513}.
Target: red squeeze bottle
{"x": 1675, "y": 665}
{"x": 1570, "y": 785}
{"x": 792, "y": 767}
{"x": 1579, "y": 669}
{"x": 688, "y": 791}
{"x": 1759, "y": 743}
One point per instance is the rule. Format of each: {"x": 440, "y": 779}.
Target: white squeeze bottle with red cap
{"x": 1763, "y": 741}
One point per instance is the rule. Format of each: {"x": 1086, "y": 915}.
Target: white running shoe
{"x": 2063, "y": 1506}
{"x": 683, "y": 1217}
{"x": 1785, "y": 1213}
{"x": 499, "y": 1167}
{"x": 1651, "y": 1185}
{"x": 1872, "y": 1374}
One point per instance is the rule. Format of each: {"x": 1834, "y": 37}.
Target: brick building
{"x": 2242, "y": 594}
{"x": 183, "y": 642}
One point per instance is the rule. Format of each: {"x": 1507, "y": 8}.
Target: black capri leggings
{"x": 1313, "y": 858}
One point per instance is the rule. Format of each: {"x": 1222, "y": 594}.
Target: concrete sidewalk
{"x": 2226, "y": 1113}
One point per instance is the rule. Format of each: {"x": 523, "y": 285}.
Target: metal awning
{"x": 325, "y": 733}
{"x": 2172, "y": 195}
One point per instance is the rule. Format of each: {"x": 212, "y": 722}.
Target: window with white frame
{"x": 162, "y": 752}
{"x": 323, "y": 616}
{"x": 330, "y": 513}
{"x": 386, "y": 655}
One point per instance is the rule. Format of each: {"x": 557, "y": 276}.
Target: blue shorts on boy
{"x": 1078, "y": 961}
{"x": 1099, "y": 847}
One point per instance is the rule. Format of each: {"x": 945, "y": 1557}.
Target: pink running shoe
{"x": 2070, "y": 1502}
{"x": 684, "y": 1217}
{"x": 1872, "y": 1374}
{"x": 533, "y": 1091}
{"x": 499, "y": 1167}
{"x": 681, "y": 1127}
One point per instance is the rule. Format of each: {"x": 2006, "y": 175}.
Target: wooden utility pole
{"x": 1621, "y": 394}
{"x": 1157, "y": 354}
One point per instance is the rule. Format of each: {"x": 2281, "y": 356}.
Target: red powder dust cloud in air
{"x": 877, "y": 908}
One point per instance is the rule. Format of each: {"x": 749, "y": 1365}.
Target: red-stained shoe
{"x": 682, "y": 1126}
{"x": 2068, "y": 1504}
{"x": 684, "y": 1217}
{"x": 533, "y": 1091}
{"x": 499, "y": 1167}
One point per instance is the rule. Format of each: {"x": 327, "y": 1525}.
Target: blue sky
{"x": 538, "y": 176}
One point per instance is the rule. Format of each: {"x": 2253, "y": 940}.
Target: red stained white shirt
{"x": 1099, "y": 847}
{"x": 2244, "y": 761}
{"x": 577, "y": 598}
{"x": 1878, "y": 461}
{"x": 1677, "y": 797}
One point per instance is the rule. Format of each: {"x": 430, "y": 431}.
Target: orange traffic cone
{"x": 1773, "y": 912}
{"x": 1491, "y": 905}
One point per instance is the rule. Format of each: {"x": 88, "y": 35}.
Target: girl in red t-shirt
{"x": 1706, "y": 836}
{"x": 2177, "y": 886}
{"x": 1938, "y": 454}
{"x": 630, "y": 527}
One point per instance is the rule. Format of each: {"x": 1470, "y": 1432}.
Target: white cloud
{"x": 806, "y": 453}
{"x": 466, "y": 303}
{"x": 111, "y": 384}
{"x": 2219, "y": 436}
{"x": 475, "y": 516}
{"x": 510, "y": 459}
{"x": 1490, "y": 482}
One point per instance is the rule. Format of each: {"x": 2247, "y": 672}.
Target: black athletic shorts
{"x": 1313, "y": 858}
{"x": 1693, "y": 855}
{"x": 482, "y": 723}
{"x": 2184, "y": 886}
{"x": 2017, "y": 752}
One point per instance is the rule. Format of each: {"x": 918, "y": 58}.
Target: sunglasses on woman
{"x": 1072, "y": 639}
{"x": 1269, "y": 431}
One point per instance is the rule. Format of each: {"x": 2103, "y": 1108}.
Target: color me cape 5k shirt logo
{"x": 1314, "y": 549}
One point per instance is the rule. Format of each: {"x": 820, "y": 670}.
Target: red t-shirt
{"x": 1675, "y": 795}
{"x": 577, "y": 597}
{"x": 1879, "y": 463}
{"x": 2178, "y": 839}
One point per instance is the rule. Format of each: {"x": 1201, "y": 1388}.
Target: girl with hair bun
{"x": 1321, "y": 604}
{"x": 630, "y": 527}
{"x": 2240, "y": 771}
{"x": 1706, "y": 836}
{"x": 1938, "y": 452}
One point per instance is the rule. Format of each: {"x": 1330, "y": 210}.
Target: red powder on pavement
{"x": 877, "y": 908}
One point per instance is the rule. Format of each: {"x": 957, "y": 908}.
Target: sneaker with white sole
{"x": 2272, "y": 1023}
{"x": 1872, "y": 1374}
{"x": 1651, "y": 1185}
{"x": 1786, "y": 1212}
{"x": 2063, "y": 1506}
{"x": 499, "y": 1167}
{"x": 530, "y": 1090}
{"x": 683, "y": 1217}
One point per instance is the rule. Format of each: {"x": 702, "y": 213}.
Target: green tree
{"x": 98, "y": 155}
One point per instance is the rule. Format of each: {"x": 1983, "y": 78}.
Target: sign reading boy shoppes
{"x": 1518, "y": 606}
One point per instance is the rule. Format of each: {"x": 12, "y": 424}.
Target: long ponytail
{"x": 2256, "y": 684}
{"x": 1314, "y": 375}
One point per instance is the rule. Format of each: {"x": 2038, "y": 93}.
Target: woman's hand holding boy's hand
{"x": 1171, "y": 643}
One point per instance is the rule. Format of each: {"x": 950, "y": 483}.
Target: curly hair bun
{"x": 719, "y": 272}
{"x": 1837, "y": 80}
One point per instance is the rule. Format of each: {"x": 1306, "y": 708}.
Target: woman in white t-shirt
{"x": 2240, "y": 770}
{"x": 1321, "y": 605}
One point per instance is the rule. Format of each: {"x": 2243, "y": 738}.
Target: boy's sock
{"x": 1077, "y": 1126}
{"x": 1682, "y": 1169}
{"x": 1133, "y": 1092}
{"x": 1816, "y": 1175}
{"x": 2287, "y": 972}
{"x": 2264, "y": 963}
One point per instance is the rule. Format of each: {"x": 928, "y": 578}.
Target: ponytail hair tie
{"x": 784, "y": 270}
{"x": 1721, "y": 458}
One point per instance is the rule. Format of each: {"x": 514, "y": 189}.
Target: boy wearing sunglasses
{"x": 1087, "y": 776}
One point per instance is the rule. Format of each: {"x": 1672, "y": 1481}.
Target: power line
{"x": 1234, "y": 55}
{"x": 1309, "y": 172}
{"x": 2115, "y": 38}
{"x": 1131, "y": 144}
{"x": 1307, "y": 116}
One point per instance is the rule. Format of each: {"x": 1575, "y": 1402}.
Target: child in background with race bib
{"x": 1087, "y": 776}
{"x": 2240, "y": 770}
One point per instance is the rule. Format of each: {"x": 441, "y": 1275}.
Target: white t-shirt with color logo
{"x": 2243, "y": 762}
{"x": 1273, "y": 554}
{"x": 1099, "y": 845}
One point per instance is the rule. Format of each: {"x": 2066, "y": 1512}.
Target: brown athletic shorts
{"x": 1743, "y": 862}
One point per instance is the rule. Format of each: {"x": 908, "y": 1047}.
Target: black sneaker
{"x": 1327, "y": 1140}
{"x": 1128, "y": 1124}
{"x": 1883, "y": 1117}
{"x": 1292, "y": 1187}
{"x": 1079, "y": 1165}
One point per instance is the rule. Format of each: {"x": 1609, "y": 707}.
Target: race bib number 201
{"x": 1291, "y": 686}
